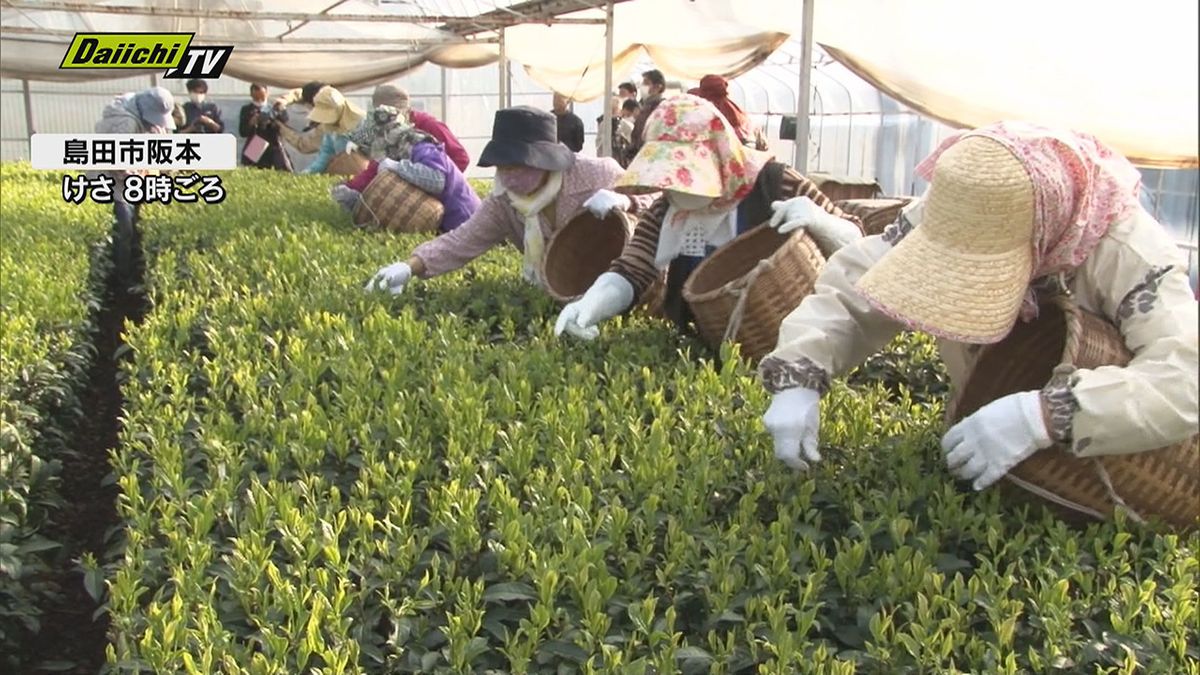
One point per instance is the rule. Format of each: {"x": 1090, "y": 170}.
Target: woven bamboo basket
{"x": 393, "y": 204}
{"x": 346, "y": 164}
{"x": 875, "y": 214}
{"x": 1163, "y": 483}
{"x": 743, "y": 291}
{"x": 583, "y": 250}
{"x": 839, "y": 188}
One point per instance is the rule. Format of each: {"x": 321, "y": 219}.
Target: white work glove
{"x": 987, "y": 444}
{"x": 827, "y": 230}
{"x": 604, "y": 201}
{"x": 794, "y": 420}
{"x": 610, "y": 295}
{"x": 391, "y": 278}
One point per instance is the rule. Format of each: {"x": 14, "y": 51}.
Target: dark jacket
{"x": 639, "y": 126}
{"x": 251, "y": 124}
{"x": 192, "y": 112}
{"x": 570, "y": 130}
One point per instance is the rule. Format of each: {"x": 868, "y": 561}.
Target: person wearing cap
{"x": 391, "y": 95}
{"x": 714, "y": 188}
{"x": 308, "y": 140}
{"x": 715, "y": 90}
{"x": 540, "y": 187}
{"x": 336, "y": 117}
{"x": 145, "y": 112}
{"x": 1014, "y": 212}
{"x": 390, "y": 141}
{"x": 302, "y": 95}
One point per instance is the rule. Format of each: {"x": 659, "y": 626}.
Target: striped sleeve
{"x": 636, "y": 263}
{"x": 794, "y": 184}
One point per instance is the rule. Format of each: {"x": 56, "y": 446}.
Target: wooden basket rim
{"x": 735, "y": 284}
{"x": 623, "y": 216}
{"x": 624, "y": 219}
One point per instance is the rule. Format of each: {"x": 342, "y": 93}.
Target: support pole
{"x": 28, "y": 107}
{"x": 153, "y": 80}
{"x": 507, "y": 83}
{"x": 445, "y": 95}
{"x": 503, "y": 69}
{"x": 606, "y": 149}
{"x": 800, "y": 163}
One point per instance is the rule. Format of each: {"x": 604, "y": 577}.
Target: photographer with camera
{"x": 259, "y": 124}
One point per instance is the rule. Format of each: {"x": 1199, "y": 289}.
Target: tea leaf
{"x": 506, "y": 592}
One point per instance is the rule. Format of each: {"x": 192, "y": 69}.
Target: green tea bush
{"x": 52, "y": 266}
{"x": 482, "y": 186}
{"x": 314, "y": 479}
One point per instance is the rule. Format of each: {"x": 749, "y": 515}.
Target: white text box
{"x": 79, "y": 152}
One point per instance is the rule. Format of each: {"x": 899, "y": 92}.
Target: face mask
{"x": 687, "y": 202}
{"x": 644, "y": 92}
{"x": 521, "y": 180}
{"x": 197, "y": 98}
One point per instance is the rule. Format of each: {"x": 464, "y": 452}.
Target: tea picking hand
{"x": 827, "y": 230}
{"x": 604, "y": 201}
{"x": 794, "y": 420}
{"x": 610, "y": 295}
{"x": 987, "y": 444}
{"x": 391, "y": 278}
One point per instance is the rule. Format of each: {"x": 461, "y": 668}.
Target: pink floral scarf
{"x": 1081, "y": 188}
{"x": 690, "y": 147}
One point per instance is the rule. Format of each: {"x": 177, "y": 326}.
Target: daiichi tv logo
{"x": 173, "y": 52}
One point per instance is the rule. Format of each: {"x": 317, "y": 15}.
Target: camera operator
{"x": 259, "y": 118}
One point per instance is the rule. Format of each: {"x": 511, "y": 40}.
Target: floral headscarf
{"x": 690, "y": 147}
{"x": 387, "y": 132}
{"x": 1081, "y": 187}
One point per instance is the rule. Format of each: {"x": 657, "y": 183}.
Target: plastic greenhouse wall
{"x": 854, "y": 129}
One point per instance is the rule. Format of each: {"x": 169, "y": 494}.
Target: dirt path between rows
{"x": 71, "y": 633}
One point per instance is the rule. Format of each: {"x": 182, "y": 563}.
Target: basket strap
{"x": 1052, "y": 497}
{"x": 1074, "y": 319}
{"x": 1112, "y": 492}
{"x": 743, "y": 293}
{"x": 363, "y": 203}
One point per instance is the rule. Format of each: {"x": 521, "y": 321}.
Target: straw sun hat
{"x": 331, "y": 107}
{"x": 963, "y": 272}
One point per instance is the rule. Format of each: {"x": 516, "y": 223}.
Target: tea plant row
{"x": 319, "y": 480}
{"x": 53, "y": 263}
